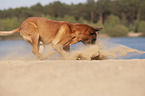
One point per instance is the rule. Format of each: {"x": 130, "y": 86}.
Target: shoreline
{"x": 130, "y": 34}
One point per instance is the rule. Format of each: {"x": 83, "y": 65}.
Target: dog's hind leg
{"x": 60, "y": 50}
{"x": 35, "y": 41}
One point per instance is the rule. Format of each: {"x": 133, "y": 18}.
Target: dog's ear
{"x": 98, "y": 28}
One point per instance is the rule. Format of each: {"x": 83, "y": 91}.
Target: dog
{"x": 39, "y": 31}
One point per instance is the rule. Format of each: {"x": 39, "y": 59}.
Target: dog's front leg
{"x": 61, "y": 51}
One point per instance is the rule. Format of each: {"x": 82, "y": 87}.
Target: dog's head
{"x": 90, "y": 36}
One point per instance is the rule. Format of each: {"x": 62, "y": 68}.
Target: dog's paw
{"x": 42, "y": 57}
{"x": 98, "y": 57}
{"x": 81, "y": 57}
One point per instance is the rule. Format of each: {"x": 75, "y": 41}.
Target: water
{"x": 132, "y": 42}
{"x": 11, "y": 49}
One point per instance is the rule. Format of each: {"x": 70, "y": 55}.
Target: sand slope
{"x": 72, "y": 78}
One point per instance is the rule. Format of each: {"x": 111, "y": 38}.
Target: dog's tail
{"x": 7, "y": 33}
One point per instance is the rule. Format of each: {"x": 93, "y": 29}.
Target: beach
{"x": 120, "y": 77}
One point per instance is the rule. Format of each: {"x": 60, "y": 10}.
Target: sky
{"x": 5, "y": 4}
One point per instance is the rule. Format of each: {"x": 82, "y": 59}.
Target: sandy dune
{"x": 72, "y": 78}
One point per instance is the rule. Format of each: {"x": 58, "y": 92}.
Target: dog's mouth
{"x": 89, "y": 42}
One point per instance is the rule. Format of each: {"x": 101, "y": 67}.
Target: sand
{"x": 72, "y": 77}
{"x": 24, "y": 75}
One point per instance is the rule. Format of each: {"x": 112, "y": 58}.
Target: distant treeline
{"x": 118, "y": 17}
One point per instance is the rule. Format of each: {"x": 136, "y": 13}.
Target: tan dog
{"x": 39, "y": 31}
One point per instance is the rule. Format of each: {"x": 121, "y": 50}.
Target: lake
{"x": 19, "y": 48}
{"x": 132, "y": 42}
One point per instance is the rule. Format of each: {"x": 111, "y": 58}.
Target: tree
{"x": 91, "y": 6}
{"x": 105, "y": 8}
{"x": 79, "y": 11}
{"x": 57, "y": 9}
{"x": 37, "y": 10}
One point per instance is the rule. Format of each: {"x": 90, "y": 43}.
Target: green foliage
{"x": 49, "y": 17}
{"x": 91, "y": 10}
{"x": 117, "y": 31}
{"x": 57, "y": 9}
{"x": 112, "y": 21}
{"x": 67, "y": 18}
{"x": 129, "y": 13}
{"x": 36, "y": 10}
{"x": 79, "y": 11}
{"x": 132, "y": 28}
{"x": 113, "y": 28}
{"x": 141, "y": 27}
{"x": 9, "y": 23}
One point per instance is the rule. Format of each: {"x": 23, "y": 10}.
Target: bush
{"x": 67, "y": 18}
{"x": 141, "y": 27}
{"x": 132, "y": 28}
{"x": 112, "y": 21}
{"x": 113, "y": 28}
{"x": 117, "y": 31}
{"x": 9, "y": 23}
{"x": 48, "y": 16}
